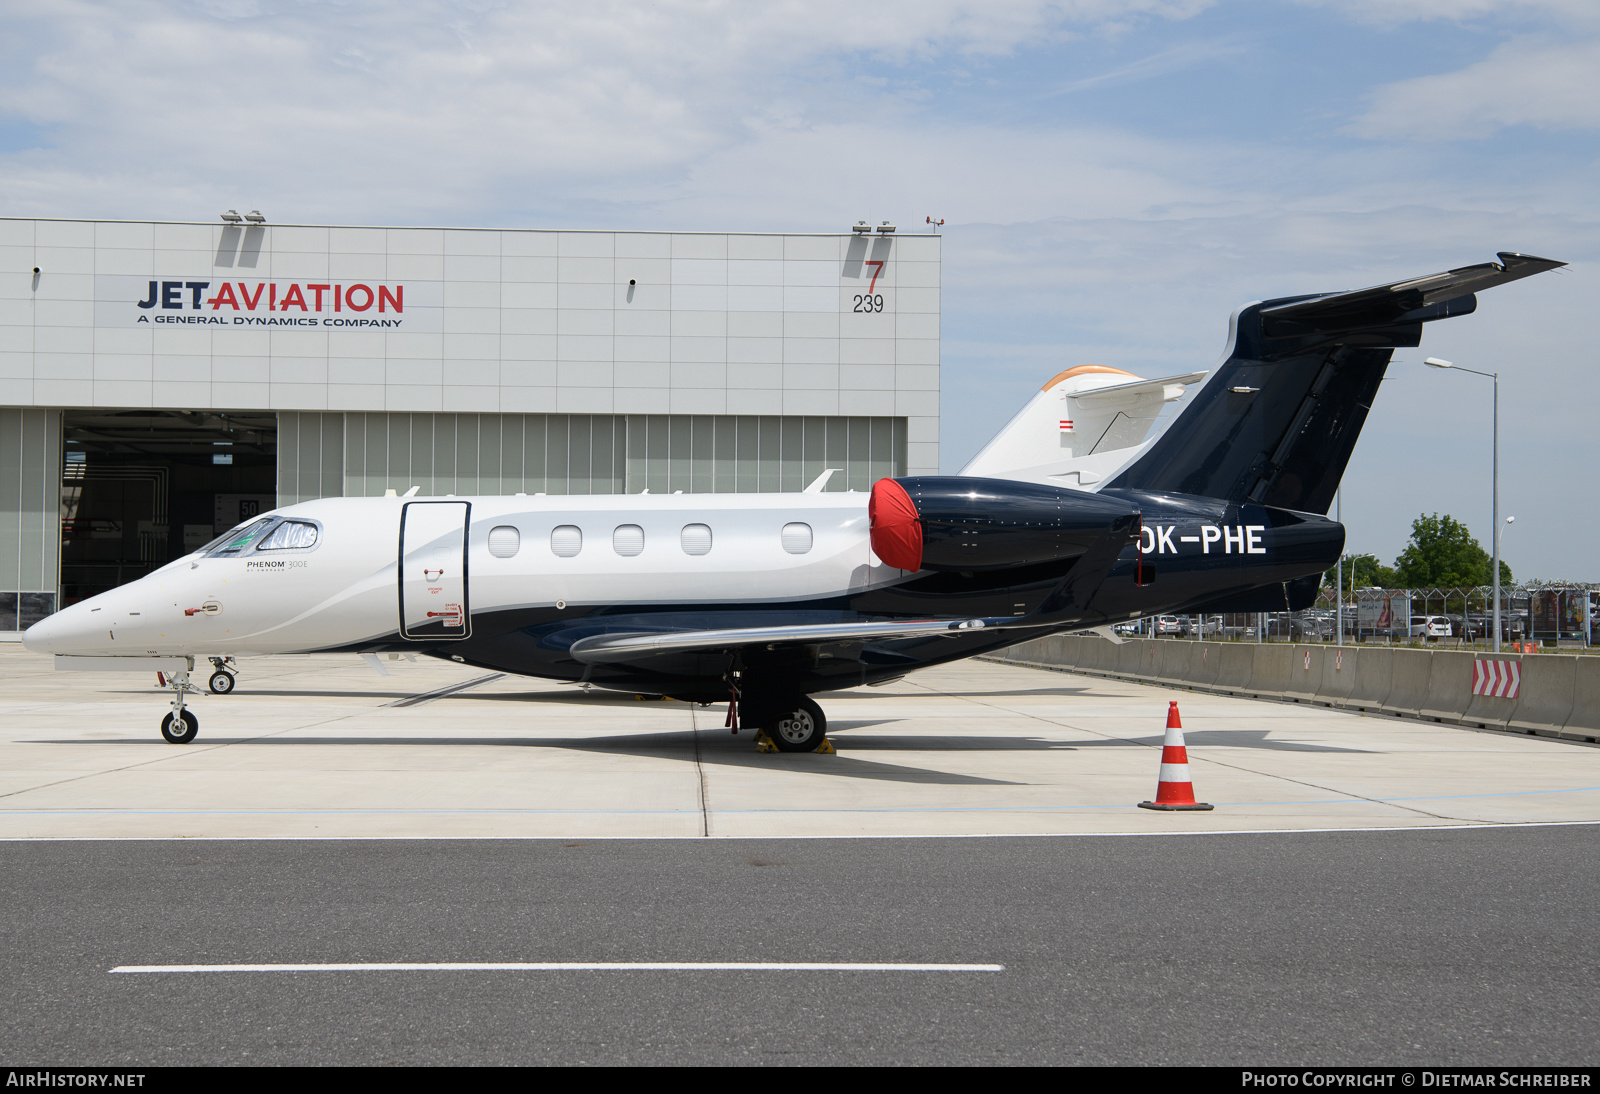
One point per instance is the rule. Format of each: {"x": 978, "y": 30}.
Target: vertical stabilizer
{"x": 1078, "y": 427}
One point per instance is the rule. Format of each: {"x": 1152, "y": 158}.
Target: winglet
{"x": 821, "y": 481}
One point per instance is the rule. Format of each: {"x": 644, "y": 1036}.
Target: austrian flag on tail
{"x": 1500, "y": 679}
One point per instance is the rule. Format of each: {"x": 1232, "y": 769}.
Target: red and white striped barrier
{"x": 1500, "y": 679}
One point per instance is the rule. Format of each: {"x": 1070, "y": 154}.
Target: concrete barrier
{"x": 1374, "y": 675}
{"x": 1269, "y": 671}
{"x": 1132, "y": 658}
{"x": 1099, "y": 655}
{"x": 1305, "y": 674}
{"x": 1559, "y": 695}
{"x": 1449, "y": 686}
{"x": 1544, "y": 701}
{"x": 1031, "y": 652}
{"x": 1585, "y": 721}
{"x": 1486, "y": 711}
{"x": 1237, "y": 661}
{"x": 1180, "y": 664}
{"x": 1338, "y": 675}
{"x": 1207, "y": 661}
{"x": 1408, "y": 686}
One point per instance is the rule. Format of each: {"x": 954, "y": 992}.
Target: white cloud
{"x": 1542, "y": 84}
{"x": 420, "y": 107}
{"x": 1396, "y": 12}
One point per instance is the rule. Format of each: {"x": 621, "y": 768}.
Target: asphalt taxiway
{"x": 1399, "y": 947}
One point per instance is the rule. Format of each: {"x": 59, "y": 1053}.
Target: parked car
{"x": 1168, "y": 624}
{"x": 1203, "y": 625}
{"x": 1431, "y": 626}
{"x": 1301, "y": 627}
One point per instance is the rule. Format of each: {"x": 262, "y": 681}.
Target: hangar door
{"x": 433, "y": 570}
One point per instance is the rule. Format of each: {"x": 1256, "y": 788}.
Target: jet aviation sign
{"x": 122, "y": 301}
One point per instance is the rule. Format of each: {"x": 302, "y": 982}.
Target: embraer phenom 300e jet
{"x": 1070, "y": 519}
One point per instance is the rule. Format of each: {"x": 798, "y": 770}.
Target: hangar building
{"x": 161, "y": 381}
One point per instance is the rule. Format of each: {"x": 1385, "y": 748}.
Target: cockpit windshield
{"x": 236, "y": 540}
{"x": 288, "y": 535}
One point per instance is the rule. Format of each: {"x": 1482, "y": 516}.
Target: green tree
{"x": 1361, "y": 571}
{"x": 1443, "y": 553}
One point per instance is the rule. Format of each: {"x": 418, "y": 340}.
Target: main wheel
{"x": 221, "y": 682}
{"x": 800, "y": 729}
{"x": 180, "y": 733}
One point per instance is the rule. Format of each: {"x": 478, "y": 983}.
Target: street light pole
{"x": 1494, "y": 575}
{"x": 1338, "y": 574}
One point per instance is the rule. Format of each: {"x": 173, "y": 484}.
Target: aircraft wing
{"x": 613, "y": 648}
{"x": 1391, "y": 303}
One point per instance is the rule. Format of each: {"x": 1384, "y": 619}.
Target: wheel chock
{"x": 764, "y": 743}
{"x": 826, "y": 746}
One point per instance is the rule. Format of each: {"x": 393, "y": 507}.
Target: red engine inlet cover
{"x": 896, "y": 532}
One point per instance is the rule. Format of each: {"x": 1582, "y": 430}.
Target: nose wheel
{"x": 179, "y": 729}
{"x": 180, "y": 726}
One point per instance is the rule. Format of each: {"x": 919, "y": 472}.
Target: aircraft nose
{"x": 40, "y": 637}
{"x": 67, "y": 631}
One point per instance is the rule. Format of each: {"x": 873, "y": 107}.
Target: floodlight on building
{"x": 254, "y": 217}
{"x": 861, "y": 227}
{"x": 232, "y": 216}
{"x": 886, "y": 228}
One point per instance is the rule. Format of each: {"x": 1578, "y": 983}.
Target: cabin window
{"x": 628, "y": 540}
{"x": 696, "y": 539}
{"x": 504, "y": 541}
{"x": 288, "y": 536}
{"x": 566, "y": 540}
{"x": 797, "y": 538}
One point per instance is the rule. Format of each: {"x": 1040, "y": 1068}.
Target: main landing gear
{"x": 221, "y": 682}
{"x": 800, "y": 728}
{"x": 180, "y": 726}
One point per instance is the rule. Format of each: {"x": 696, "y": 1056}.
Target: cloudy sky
{"x": 1115, "y": 176}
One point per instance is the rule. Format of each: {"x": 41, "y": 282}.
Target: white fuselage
{"x": 345, "y": 589}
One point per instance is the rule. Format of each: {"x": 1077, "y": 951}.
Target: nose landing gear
{"x": 221, "y": 682}
{"x": 180, "y": 726}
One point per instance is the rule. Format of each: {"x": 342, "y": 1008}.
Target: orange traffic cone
{"x": 1174, "y": 791}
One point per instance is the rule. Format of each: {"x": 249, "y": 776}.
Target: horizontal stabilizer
{"x": 1277, "y": 420}
{"x": 1138, "y": 387}
{"x": 1396, "y": 302}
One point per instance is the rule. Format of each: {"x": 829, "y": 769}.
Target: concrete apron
{"x": 309, "y": 748}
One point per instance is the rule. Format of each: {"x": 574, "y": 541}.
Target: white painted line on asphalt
{"x": 575, "y": 966}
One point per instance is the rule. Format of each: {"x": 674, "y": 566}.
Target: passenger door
{"x": 433, "y": 570}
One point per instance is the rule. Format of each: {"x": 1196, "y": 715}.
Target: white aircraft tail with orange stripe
{"x": 1082, "y": 426}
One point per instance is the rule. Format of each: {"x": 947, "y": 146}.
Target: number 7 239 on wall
{"x": 871, "y": 300}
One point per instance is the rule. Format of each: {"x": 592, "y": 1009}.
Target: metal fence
{"x": 1541, "y": 615}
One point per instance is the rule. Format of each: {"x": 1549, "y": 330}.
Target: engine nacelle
{"x": 947, "y": 522}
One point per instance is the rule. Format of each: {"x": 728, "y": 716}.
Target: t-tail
{"x": 1274, "y": 423}
{"x": 1278, "y": 420}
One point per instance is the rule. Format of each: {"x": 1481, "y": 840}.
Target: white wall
{"x": 515, "y": 322}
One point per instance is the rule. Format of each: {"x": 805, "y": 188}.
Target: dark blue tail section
{"x": 1277, "y": 421}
